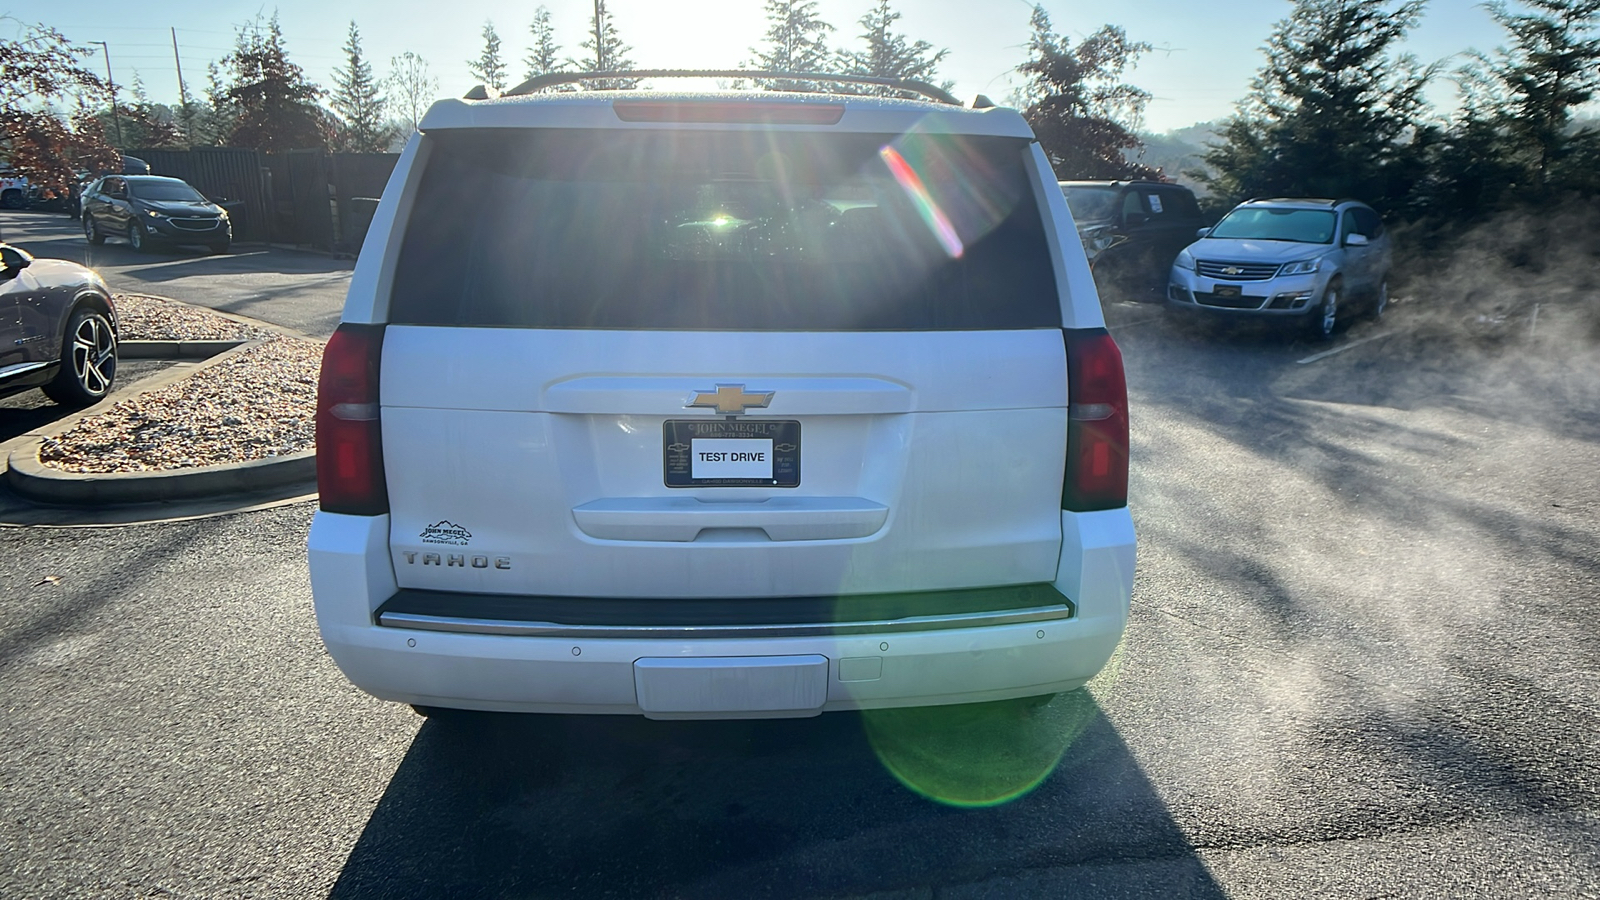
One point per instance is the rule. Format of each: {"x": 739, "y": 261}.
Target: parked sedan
{"x": 58, "y": 329}
{"x": 153, "y": 209}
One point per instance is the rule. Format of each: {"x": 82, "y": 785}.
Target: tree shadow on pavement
{"x": 494, "y": 806}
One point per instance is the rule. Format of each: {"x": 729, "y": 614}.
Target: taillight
{"x": 349, "y": 440}
{"x": 1097, "y": 423}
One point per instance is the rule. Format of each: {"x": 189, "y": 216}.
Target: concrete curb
{"x": 174, "y": 349}
{"x": 30, "y": 479}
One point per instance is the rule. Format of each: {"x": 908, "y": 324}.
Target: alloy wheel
{"x": 94, "y": 355}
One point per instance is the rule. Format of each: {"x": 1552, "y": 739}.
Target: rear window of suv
{"x": 732, "y": 231}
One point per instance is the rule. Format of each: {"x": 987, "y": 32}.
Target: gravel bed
{"x": 154, "y": 319}
{"x": 256, "y": 405}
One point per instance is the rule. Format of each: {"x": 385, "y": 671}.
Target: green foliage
{"x": 267, "y": 104}
{"x": 889, "y": 55}
{"x": 796, "y": 41}
{"x": 607, "y": 52}
{"x": 544, "y": 56}
{"x": 1333, "y": 113}
{"x": 359, "y": 103}
{"x": 1522, "y": 99}
{"x": 490, "y": 67}
{"x": 1081, "y": 111}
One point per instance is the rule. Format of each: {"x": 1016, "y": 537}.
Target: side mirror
{"x": 1202, "y": 233}
{"x": 13, "y": 260}
{"x": 1356, "y": 240}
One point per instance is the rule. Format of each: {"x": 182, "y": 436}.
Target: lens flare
{"x": 930, "y": 212}
{"x": 985, "y": 754}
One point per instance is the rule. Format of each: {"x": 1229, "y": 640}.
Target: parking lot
{"x": 1361, "y": 662}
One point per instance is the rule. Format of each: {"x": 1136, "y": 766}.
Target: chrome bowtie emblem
{"x": 1231, "y": 270}
{"x": 730, "y": 399}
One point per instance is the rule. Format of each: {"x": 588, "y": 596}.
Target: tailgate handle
{"x": 682, "y": 519}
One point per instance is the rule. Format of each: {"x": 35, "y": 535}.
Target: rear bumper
{"x": 577, "y": 671}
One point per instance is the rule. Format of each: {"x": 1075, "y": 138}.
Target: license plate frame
{"x": 678, "y": 436}
{"x": 1228, "y": 290}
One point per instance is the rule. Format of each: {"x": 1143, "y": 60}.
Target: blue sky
{"x": 1205, "y": 57}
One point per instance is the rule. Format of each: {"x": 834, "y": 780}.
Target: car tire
{"x": 220, "y": 246}
{"x": 1380, "y": 301}
{"x": 1323, "y": 320}
{"x": 139, "y": 237}
{"x": 88, "y": 360}
{"x": 92, "y": 232}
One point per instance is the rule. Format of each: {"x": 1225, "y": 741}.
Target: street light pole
{"x": 116, "y": 120}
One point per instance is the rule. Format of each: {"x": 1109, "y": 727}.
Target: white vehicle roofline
{"x": 593, "y": 109}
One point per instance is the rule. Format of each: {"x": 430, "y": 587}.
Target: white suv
{"x": 720, "y": 405}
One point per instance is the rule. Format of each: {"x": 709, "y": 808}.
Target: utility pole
{"x": 183, "y": 95}
{"x": 112, "y": 83}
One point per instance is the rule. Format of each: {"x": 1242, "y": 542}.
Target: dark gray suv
{"x": 58, "y": 329}
{"x": 153, "y": 209}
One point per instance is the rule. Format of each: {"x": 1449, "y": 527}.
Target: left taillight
{"x": 1097, "y": 423}
{"x": 349, "y": 435}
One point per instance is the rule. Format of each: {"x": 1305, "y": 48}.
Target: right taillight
{"x": 1097, "y": 423}
{"x": 349, "y": 439}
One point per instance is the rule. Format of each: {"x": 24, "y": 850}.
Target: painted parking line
{"x": 1327, "y": 353}
{"x": 1135, "y": 322}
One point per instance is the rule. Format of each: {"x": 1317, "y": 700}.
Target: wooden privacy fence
{"x": 304, "y": 197}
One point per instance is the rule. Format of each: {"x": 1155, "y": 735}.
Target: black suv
{"x": 1131, "y": 231}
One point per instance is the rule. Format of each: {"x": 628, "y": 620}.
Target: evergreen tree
{"x": 1083, "y": 114}
{"x": 544, "y": 56}
{"x": 890, "y": 55}
{"x": 1332, "y": 113}
{"x": 489, "y": 67}
{"x": 795, "y": 42}
{"x": 38, "y": 69}
{"x": 607, "y": 52}
{"x": 357, "y": 101}
{"x": 413, "y": 87}
{"x": 1528, "y": 91}
{"x": 271, "y": 105}
{"x": 144, "y": 124}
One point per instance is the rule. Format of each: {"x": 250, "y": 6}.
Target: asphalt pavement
{"x": 1361, "y": 663}
{"x": 296, "y": 289}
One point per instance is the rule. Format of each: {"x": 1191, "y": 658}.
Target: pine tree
{"x": 413, "y": 87}
{"x": 1084, "y": 116}
{"x": 272, "y": 106}
{"x": 1333, "y": 113}
{"x": 544, "y": 56}
{"x": 357, "y": 101}
{"x": 1530, "y": 89}
{"x": 796, "y": 42}
{"x": 889, "y": 55}
{"x": 489, "y": 67}
{"x": 607, "y": 52}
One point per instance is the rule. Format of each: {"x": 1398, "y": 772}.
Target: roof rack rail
{"x": 540, "y": 82}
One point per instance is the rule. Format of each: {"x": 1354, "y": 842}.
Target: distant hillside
{"x": 1178, "y": 152}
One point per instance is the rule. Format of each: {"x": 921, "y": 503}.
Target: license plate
{"x": 1228, "y": 290}
{"x": 731, "y": 453}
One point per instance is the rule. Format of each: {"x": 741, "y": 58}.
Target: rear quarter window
{"x": 741, "y": 231}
